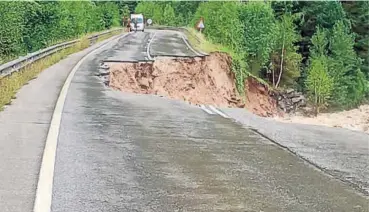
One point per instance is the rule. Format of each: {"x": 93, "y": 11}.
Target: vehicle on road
{"x": 137, "y": 22}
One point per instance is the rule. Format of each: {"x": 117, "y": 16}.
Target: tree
{"x": 345, "y": 68}
{"x": 357, "y": 12}
{"x": 317, "y": 14}
{"x": 319, "y": 83}
{"x": 158, "y": 14}
{"x": 184, "y": 11}
{"x": 169, "y": 16}
{"x": 285, "y": 59}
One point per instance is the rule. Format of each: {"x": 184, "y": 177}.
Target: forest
{"x": 319, "y": 48}
{"x": 27, "y": 26}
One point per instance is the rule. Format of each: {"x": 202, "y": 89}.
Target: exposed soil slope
{"x": 207, "y": 80}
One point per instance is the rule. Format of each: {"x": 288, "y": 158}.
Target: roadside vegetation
{"x": 318, "y": 48}
{"x": 29, "y": 26}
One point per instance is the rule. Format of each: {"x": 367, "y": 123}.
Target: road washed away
{"x": 199, "y": 80}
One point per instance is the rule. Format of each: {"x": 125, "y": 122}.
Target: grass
{"x": 200, "y": 43}
{"x": 9, "y": 85}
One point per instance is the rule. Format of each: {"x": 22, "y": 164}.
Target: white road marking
{"x": 206, "y": 110}
{"x": 189, "y": 46}
{"x": 218, "y": 111}
{"x": 148, "y": 47}
{"x": 45, "y": 180}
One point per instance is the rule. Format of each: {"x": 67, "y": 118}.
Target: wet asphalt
{"x": 129, "y": 152}
{"x": 169, "y": 43}
{"x": 24, "y": 125}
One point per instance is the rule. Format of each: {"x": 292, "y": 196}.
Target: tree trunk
{"x": 281, "y": 68}
{"x": 273, "y": 77}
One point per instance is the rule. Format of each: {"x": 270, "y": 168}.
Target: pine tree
{"x": 344, "y": 67}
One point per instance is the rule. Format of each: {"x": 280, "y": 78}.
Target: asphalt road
{"x": 128, "y": 152}
{"x": 23, "y": 129}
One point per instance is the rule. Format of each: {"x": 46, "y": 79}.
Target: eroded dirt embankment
{"x": 207, "y": 80}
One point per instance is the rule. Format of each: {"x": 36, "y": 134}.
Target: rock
{"x": 296, "y": 99}
{"x": 290, "y": 90}
{"x": 302, "y": 103}
{"x": 282, "y": 105}
{"x": 291, "y": 95}
{"x": 297, "y": 94}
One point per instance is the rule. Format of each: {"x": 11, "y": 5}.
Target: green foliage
{"x": 185, "y": 11}
{"x": 151, "y": 10}
{"x": 11, "y": 28}
{"x": 344, "y": 65}
{"x": 215, "y": 15}
{"x": 320, "y": 43}
{"x": 32, "y": 25}
{"x": 323, "y": 14}
{"x": 258, "y": 23}
{"x": 357, "y": 12}
{"x": 319, "y": 83}
{"x": 240, "y": 68}
{"x": 168, "y": 17}
{"x": 282, "y": 7}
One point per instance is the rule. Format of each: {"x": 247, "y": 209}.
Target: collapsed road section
{"x": 197, "y": 80}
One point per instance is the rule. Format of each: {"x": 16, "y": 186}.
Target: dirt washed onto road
{"x": 207, "y": 80}
{"x": 356, "y": 119}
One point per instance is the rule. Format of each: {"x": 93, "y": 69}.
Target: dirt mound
{"x": 258, "y": 100}
{"x": 207, "y": 80}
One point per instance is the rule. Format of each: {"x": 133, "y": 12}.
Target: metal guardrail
{"x": 15, "y": 65}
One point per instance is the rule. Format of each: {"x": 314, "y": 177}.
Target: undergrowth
{"x": 9, "y": 85}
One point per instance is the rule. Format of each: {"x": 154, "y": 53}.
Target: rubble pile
{"x": 290, "y": 100}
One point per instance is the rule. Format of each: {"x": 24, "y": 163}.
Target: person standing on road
{"x": 135, "y": 24}
{"x": 128, "y": 25}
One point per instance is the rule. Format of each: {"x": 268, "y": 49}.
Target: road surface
{"x": 127, "y": 152}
